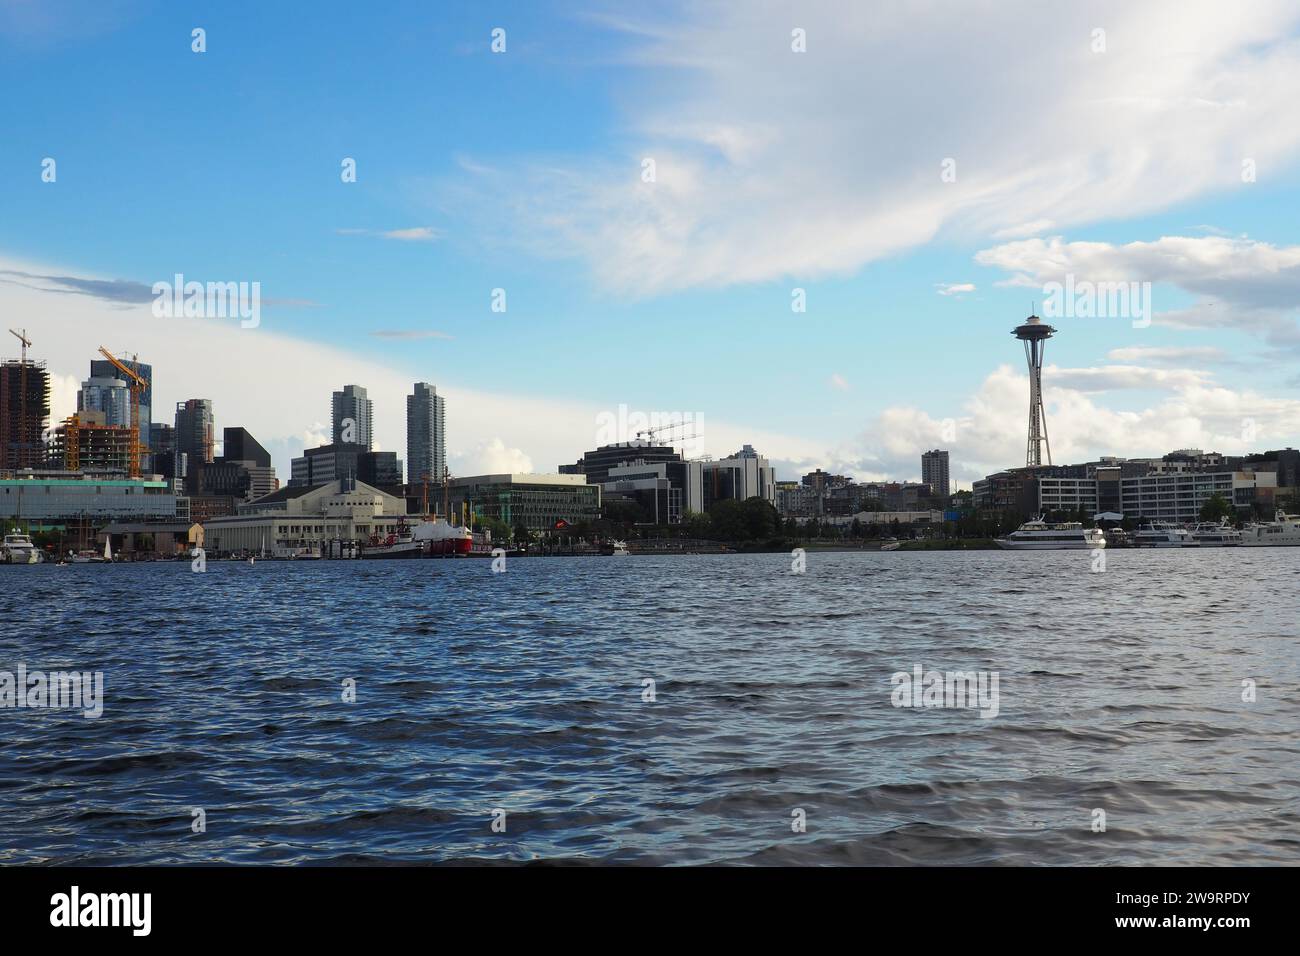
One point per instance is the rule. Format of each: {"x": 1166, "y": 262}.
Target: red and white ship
{"x": 434, "y": 537}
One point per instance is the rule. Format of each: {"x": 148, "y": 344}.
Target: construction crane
{"x": 653, "y": 432}
{"x": 135, "y": 385}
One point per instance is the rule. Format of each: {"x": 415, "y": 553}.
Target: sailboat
{"x": 108, "y": 548}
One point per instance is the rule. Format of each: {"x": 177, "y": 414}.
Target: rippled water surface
{"x": 523, "y": 691}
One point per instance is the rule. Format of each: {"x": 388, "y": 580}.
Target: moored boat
{"x": 1221, "y": 535}
{"x": 1282, "y": 531}
{"x": 18, "y": 549}
{"x": 430, "y": 538}
{"x": 1038, "y": 535}
{"x": 1159, "y": 534}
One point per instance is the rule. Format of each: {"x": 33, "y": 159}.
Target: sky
{"x": 809, "y": 227}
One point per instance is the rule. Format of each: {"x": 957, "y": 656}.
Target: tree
{"x": 727, "y": 520}
{"x": 698, "y": 525}
{"x": 1216, "y": 508}
{"x": 761, "y": 520}
{"x": 499, "y": 530}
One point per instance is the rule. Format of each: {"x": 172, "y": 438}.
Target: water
{"x": 523, "y": 691}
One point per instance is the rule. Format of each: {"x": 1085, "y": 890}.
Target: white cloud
{"x": 990, "y": 429}
{"x": 837, "y": 381}
{"x": 279, "y": 387}
{"x": 1240, "y": 283}
{"x": 1170, "y": 355}
{"x": 954, "y": 288}
{"x": 492, "y": 458}
{"x": 772, "y": 163}
{"x": 1114, "y": 377}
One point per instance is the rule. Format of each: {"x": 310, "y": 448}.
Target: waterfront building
{"x": 595, "y": 464}
{"x": 1005, "y": 491}
{"x": 882, "y": 518}
{"x": 24, "y": 413}
{"x": 538, "y": 502}
{"x": 665, "y": 490}
{"x": 352, "y": 415}
{"x": 426, "y": 434}
{"x": 1174, "y": 497}
{"x": 52, "y": 498}
{"x": 1068, "y": 494}
{"x": 1178, "y": 497}
{"x": 934, "y": 472}
{"x": 167, "y": 539}
{"x": 746, "y": 474}
{"x": 309, "y": 517}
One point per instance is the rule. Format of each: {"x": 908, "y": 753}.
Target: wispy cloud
{"x": 410, "y": 234}
{"x": 122, "y": 291}
{"x": 954, "y": 288}
{"x": 1238, "y": 283}
{"x": 769, "y": 163}
{"x": 410, "y": 334}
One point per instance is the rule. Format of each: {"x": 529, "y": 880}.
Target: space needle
{"x": 1035, "y": 335}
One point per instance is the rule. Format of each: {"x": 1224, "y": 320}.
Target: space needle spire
{"x": 1035, "y": 335}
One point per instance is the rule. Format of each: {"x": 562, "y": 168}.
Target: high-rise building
{"x": 24, "y": 413}
{"x": 194, "y": 437}
{"x": 110, "y": 396}
{"x": 746, "y": 474}
{"x": 102, "y": 368}
{"x": 351, "y": 414}
{"x": 195, "y": 426}
{"x": 426, "y": 434}
{"x": 597, "y": 463}
{"x": 934, "y": 472}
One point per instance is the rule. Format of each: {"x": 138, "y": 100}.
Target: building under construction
{"x": 85, "y": 443}
{"x": 24, "y": 412}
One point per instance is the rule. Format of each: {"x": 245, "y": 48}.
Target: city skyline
{"x": 390, "y": 279}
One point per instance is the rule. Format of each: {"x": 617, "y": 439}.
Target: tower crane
{"x": 135, "y": 385}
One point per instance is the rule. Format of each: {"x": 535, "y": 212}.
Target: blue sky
{"x": 776, "y": 170}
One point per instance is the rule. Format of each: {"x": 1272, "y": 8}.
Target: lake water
{"x": 1120, "y": 691}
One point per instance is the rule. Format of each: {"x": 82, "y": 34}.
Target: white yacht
{"x": 1038, "y": 535}
{"x": 1161, "y": 535}
{"x": 1221, "y": 535}
{"x": 1282, "y": 531}
{"x": 18, "y": 549}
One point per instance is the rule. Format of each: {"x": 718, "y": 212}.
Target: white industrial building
{"x": 297, "y": 518}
